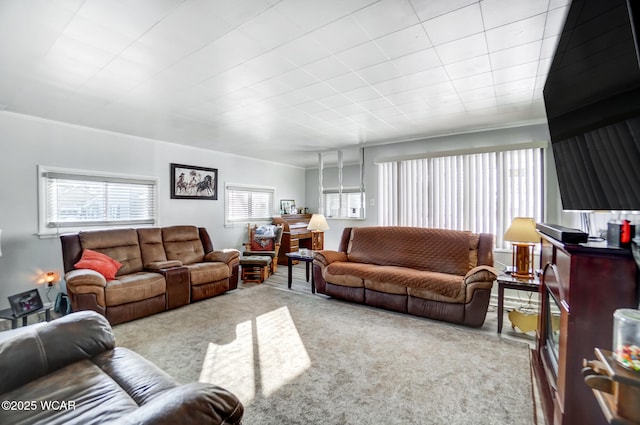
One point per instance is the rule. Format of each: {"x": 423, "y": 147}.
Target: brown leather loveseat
{"x": 435, "y": 273}
{"x": 162, "y": 268}
{"x": 69, "y": 371}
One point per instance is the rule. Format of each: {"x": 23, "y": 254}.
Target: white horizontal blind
{"x": 479, "y": 192}
{"x": 347, "y": 204}
{"x": 244, "y": 204}
{"x": 82, "y": 200}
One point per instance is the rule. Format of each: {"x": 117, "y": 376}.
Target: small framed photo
{"x": 191, "y": 182}
{"x": 25, "y": 302}
{"x": 288, "y": 206}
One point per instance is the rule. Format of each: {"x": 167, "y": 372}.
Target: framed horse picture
{"x": 191, "y": 182}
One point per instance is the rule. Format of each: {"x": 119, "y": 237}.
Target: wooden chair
{"x": 264, "y": 245}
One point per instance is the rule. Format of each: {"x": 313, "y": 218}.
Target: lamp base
{"x": 522, "y": 261}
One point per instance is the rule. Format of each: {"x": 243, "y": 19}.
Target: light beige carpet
{"x": 298, "y": 359}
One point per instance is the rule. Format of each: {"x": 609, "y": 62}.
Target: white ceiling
{"x": 278, "y": 79}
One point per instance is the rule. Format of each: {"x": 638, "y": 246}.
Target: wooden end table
{"x": 308, "y": 260}
{"x": 507, "y": 281}
{"x": 8, "y": 314}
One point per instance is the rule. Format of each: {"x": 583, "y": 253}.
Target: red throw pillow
{"x": 262, "y": 244}
{"x": 99, "y": 262}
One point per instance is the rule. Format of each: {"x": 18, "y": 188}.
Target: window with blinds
{"x": 78, "y": 199}
{"x": 245, "y": 204}
{"x": 348, "y": 204}
{"x": 480, "y": 192}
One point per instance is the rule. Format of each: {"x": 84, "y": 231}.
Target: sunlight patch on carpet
{"x": 266, "y": 354}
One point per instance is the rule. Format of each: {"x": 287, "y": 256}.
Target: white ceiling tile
{"x": 346, "y": 82}
{"x": 455, "y": 25}
{"x": 361, "y": 56}
{"x": 317, "y": 91}
{"x": 513, "y": 73}
{"x": 477, "y": 81}
{"x": 418, "y": 61}
{"x": 392, "y": 86}
{"x": 548, "y": 47}
{"x": 311, "y": 107}
{"x": 94, "y": 35}
{"x": 469, "y": 67}
{"x": 428, "y": 9}
{"x": 386, "y": 16}
{"x": 477, "y": 94}
{"x": 553, "y": 4}
{"x": 303, "y": 50}
{"x": 427, "y": 78}
{"x": 297, "y": 78}
{"x": 462, "y": 49}
{"x": 312, "y": 14}
{"x": 335, "y": 101}
{"x": 341, "y": 35}
{"x": 269, "y": 65}
{"x": 272, "y": 87}
{"x": 521, "y": 32}
{"x": 361, "y": 94}
{"x": 501, "y": 12}
{"x": 523, "y": 85}
{"x": 555, "y": 21}
{"x": 518, "y": 55}
{"x": 78, "y": 51}
{"x": 118, "y": 18}
{"x": 326, "y": 68}
{"x": 403, "y": 42}
{"x": 260, "y": 29}
{"x": 380, "y": 72}
{"x": 486, "y": 103}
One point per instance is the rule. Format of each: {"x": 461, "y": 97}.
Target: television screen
{"x": 592, "y": 99}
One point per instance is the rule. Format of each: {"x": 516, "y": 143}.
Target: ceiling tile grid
{"x": 279, "y": 78}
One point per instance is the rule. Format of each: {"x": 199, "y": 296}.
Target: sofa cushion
{"x": 208, "y": 272}
{"x": 380, "y": 277}
{"x": 101, "y": 263}
{"x": 134, "y": 287}
{"x": 183, "y": 243}
{"x": 437, "y": 250}
{"x": 151, "y": 246}
{"x": 120, "y": 244}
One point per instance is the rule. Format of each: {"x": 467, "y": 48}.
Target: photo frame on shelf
{"x": 25, "y": 302}
{"x": 288, "y": 206}
{"x": 192, "y": 182}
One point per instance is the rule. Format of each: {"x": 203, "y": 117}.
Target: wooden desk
{"x": 296, "y": 235}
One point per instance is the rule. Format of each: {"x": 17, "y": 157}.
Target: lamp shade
{"x": 522, "y": 229}
{"x": 318, "y": 222}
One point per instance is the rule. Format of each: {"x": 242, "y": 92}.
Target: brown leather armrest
{"x": 481, "y": 274}
{"x": 158, "y": 265}
{"x": 223, "y": 256}
{"x": 326, "y": 257}
{"x": 81, "y": 277}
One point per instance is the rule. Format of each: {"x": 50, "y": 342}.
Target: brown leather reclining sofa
{"x": 69, "y": 371}
{"x": 440, "y": 274}
{"x": 162, "y": 268}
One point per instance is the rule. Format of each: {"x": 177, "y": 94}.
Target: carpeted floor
{"x": 300, "y": 359}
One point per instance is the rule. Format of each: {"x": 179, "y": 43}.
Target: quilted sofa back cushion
{"x": 151, "y": 245}
{"x": 438, "y": 250}
{"x": 119, "y": 244}
{"x": 183, "y": 243}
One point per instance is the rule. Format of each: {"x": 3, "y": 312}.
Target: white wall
{"x": 27, "y": 142}
{"x": 493, "y": 138}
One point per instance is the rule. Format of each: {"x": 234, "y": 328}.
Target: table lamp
{"x": 318, "y": 223}
{"x": 523, "y": 236}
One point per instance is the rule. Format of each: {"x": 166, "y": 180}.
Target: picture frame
{"x": 287, "y": 205}
{"x": 193, "y": 182}
{"x": 25, "y": 302}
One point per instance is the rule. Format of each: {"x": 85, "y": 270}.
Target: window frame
{"x": 45, "y": 230}
{"x": 346, "y": 191}
{"x": 248, "y": 188}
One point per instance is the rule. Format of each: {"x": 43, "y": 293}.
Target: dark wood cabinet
{"x": 296, "y": 235}
{"x": 581, "y": 287}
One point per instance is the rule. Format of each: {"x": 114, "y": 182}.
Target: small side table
{"x": 308, "y": 259}
{"x": 507, "y": 281}
{"x": 8, "y": 314}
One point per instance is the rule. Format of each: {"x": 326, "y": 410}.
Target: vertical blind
{"x": 479, "y": 192}
{"x": 245, "y": 204}
{"x": 77, "y": 200}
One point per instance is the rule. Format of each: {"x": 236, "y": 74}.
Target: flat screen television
{"x": 592, "y": 100}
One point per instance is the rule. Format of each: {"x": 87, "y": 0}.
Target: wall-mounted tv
{"x": 592, "y": 99}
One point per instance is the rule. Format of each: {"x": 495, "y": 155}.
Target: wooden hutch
{"x": 296, "y": 235}
{"x": 581, "y": 287}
